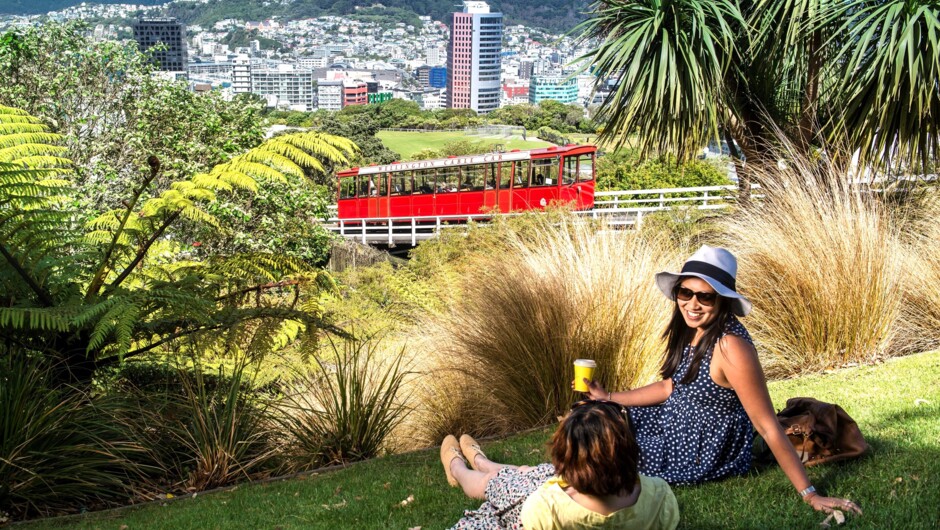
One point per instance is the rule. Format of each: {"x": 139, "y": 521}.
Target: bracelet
{"x": 807, "y": 491}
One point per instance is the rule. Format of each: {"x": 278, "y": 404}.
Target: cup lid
{"x": 585, "y": 362}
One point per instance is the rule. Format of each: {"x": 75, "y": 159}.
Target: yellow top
{"x": 549, "y": 507}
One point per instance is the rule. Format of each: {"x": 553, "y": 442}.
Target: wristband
{"x": 807, "y": 491}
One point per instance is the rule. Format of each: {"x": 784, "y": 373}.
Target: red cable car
{"x": 468, "y": 185}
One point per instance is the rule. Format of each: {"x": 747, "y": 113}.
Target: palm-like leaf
{"x": 669, "y": 59}
{"x": 888, "y": 72}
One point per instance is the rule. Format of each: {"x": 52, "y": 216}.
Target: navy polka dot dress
{"x": 700, "y": 432}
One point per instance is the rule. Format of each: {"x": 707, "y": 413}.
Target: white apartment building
{"x": 330, "y": 94}
{"x": 292, "y": 88}
{"x": 241, "y": 74}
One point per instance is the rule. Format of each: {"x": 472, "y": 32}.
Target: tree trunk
{"x": 741, "y": 169}
{"x": 807, "y": 125}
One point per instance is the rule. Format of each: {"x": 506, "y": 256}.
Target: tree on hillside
{"x": 87, "y": 291}
{"x": 860, "y": 74}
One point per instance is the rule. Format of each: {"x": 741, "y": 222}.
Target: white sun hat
{"x": 716, "y": 266}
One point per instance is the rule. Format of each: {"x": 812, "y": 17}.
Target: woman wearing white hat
{"x": 697, "y": 424}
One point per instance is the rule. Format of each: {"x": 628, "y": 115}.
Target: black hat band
{"x": 700, "y": 267}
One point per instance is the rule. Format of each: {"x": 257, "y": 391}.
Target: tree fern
{"x": 90, "y": 292}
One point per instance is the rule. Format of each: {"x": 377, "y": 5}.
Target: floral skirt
{"x": 505, "y": 494}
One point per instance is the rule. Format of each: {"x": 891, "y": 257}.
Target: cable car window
{"x": 401, "y": 183}
{"x": 472, "y": 178}
{"x": 585, "y": 168}
{"x": 543, "y": 172}
{"x": 505, "y": 175}
{"x": 448, "y": 180}
{"x": 490, "y": 176}
{"x": 347, "y": 188}
{"x": 570, "y": 173}
{"x": 365, "y": 184}
{"x": 520, "y": 173}
{"x": 424, "y": 181}
{"x": 381, "y": 184}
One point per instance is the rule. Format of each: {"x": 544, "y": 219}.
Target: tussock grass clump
{"x": 563, "y": 289}
{"x": 820, "y": 260}
{"x": 919, "y": 325}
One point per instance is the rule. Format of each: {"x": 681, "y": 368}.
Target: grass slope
{"x": 897, "y": 405}
{"x": 407, "y": 143}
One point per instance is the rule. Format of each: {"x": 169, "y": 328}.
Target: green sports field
{"x": 408, "y": 143}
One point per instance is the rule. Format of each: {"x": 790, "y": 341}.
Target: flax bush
{"x": 347, "y": 407}
{"x": 821, "y": 261}
{"x": 217, "y": 426}
{"x": 562, "y": 289}
{"x": 60, "y": 450}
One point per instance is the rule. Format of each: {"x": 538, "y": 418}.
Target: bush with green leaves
{"x": 624, "y": 169}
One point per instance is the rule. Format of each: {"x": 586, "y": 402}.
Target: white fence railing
{"x": 621, "y": 208}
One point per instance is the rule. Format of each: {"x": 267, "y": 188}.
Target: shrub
{"x": 564, "y": 289}
{"x": 820, "y": 260}
{"x": 60, "y": 450}
{"x": 345, "y": 409}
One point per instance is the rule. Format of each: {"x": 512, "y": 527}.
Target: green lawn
{"x": 897, "y": 405}
{"x": 408, "y": 143}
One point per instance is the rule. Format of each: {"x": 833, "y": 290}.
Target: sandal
{"x": 470, "y": 449}
{"x": 450, "y": 450}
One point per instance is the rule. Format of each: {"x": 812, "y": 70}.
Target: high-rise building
{"x": 437, "y": 77}
{"x": 241, "y": 74}
{"x": 171, "y": 56}
{"x": 473, "y": 58}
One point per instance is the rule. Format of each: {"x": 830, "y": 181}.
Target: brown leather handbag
{"x": 820, "y": 432}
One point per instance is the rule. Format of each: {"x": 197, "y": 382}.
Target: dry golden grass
{"x": 821, "y": 261}
{"x": 564, "y": 289}
{"x": 919, "y": 325}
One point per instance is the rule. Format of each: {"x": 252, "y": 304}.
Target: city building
{"x": 515, "y": 94}
{"x": 171, "y": 55}
{"x": 473, "y": 58}
{"x": 560, "y": 88}
{"x": 423, "y": 75}
{"x": 355, "y": 93}
{"x": 330, "y": 94}
{"x": 241, "y": 74}
{"x": 525, "y": 69}
{"x": 291, "y": 88}
{"x": 437, "y": 77}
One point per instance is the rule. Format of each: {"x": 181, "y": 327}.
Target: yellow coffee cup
{"x": 583, "y": 369}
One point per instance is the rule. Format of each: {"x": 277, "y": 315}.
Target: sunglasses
{"x": 706, "y": 299}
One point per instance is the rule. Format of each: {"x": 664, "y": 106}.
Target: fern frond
{"x": 288, "y": 166}
{"x": 205, "y": 180}
{"x": 26, "y": 138}
{"x": 194, "y": 213}
{"x": 241, "y": 165}
{"x": 38, "y": 318}
{"x": 42, "y": 155}
{"x": 7, "y": 127}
